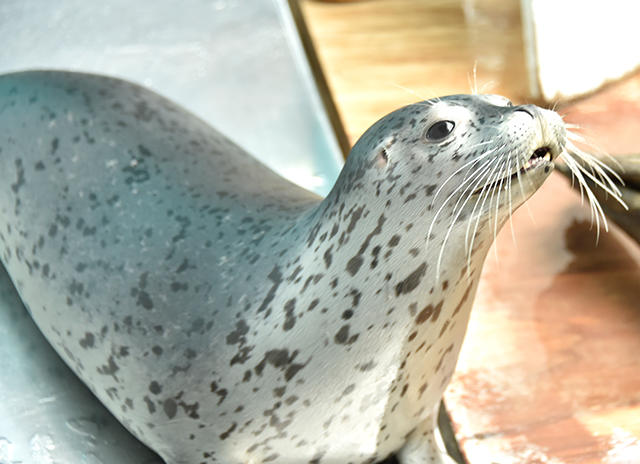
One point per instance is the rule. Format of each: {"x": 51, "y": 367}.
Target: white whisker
{"x": 614, "y": 191}
{"x": 478, "y": 175}
{"x": 594, "y": 161}
{"x": 410, "y": 91}
{"x": 513, "y": 232}
{"x": 484, "y": 194}
{"x": 596, "y": 210}
{"x": 526, "y": 204}
{"x": 496, "y": 189}
{"x": 484, "y": 155}
{"x": 446, "y": 201}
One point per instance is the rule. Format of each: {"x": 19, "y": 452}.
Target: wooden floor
{"x": 550, "y": 370}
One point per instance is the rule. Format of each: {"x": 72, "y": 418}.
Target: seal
{"x": 226, "y": 315}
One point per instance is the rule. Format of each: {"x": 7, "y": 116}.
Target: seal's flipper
{"x": 425, "y": 445}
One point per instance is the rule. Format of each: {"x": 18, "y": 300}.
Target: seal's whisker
{"x": 457, "y": 210}
{"x": 513, "y": 232}
{"x": 526, "y": 204}
{"x": 489, "y": 179}
{"x": 486, "y": 142}
{"x": 611, "y": 188}
{"x": 446, "y": 202}
{"x": 473, "y": 86}
{"x": 484, "y": 194}
{"x": 482, "y": 197}
{"x": 597, "y": 166}
{"x": 573, "y": 135}
{"x": 594, "y": 161}
{"x": 479, "y": 173}
{"x": 480, "y": 176}
{"x": 613, "y": 191}
{"x": 487, "y": 86}
{"x": 474, "y": 179}
{"x": 412, "y": 92}
{"x": 597, "y": 149}
{"x": 497, "y": 189}
{"x": 596, "y": 209}
{"x": 472, "y": 162}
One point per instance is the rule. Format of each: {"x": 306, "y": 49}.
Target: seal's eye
{"x": 440, "y": 130}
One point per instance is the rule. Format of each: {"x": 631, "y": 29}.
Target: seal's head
{"x": 463, "y": 162}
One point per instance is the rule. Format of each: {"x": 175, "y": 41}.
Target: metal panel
{"x": 238, "y": 64}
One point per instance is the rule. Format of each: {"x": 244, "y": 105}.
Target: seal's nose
{"x": 529, "y": 109}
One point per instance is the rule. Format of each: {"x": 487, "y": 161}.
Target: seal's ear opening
{"x": 382, "y": 159}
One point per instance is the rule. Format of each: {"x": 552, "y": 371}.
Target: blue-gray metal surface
{"x": 237, "y": 64}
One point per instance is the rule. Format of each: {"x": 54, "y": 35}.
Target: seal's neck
{"x": 387, "y": 238}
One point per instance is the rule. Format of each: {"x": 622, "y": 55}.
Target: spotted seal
{"x": 225, "y": 315}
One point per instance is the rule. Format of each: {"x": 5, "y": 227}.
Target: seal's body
{"x": 226, "y": 315}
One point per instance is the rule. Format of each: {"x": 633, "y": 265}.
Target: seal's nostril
{"x": 525, "y": 109}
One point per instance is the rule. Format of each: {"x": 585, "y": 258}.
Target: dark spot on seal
{"x": 109, "y": 369}
{"x": 179, "y": 286}
{"x": 224, "y": 435}
{"x": 462, "y": 300}
{"x": 144, "y": 300}
{"x": 353, "y": 266}
{"x": 328, "y": 257}
{"x": 54, "y": 145}
{"x": 355, "y": 217}
{"x": 342, "y": 336}
{"x": 20, "y": 172}
{"x": 429, "y": 311}
{"x": 155, "y": 388}
{"x": 238, "y": 335}
{"x": 280, "y": 359}
{"x": 411, "y": 282}
{"x": 150, "y": 405}
{"x": 313, "y": 304}
{"x": 367, "y": 366}
{"x": 290, "y": 319}
{"x": 220, "y": 392}
{"x": 170, "y": 408}
{"x": 87, "y": 341}
{"x": 274, "y": 276}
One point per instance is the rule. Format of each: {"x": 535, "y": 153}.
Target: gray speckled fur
{"x": 222, "y": 313}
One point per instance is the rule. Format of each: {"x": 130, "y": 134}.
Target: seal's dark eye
{"x": 440, "y": 130}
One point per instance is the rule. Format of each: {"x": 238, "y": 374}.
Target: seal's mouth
{"x": 540, "y": 156}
